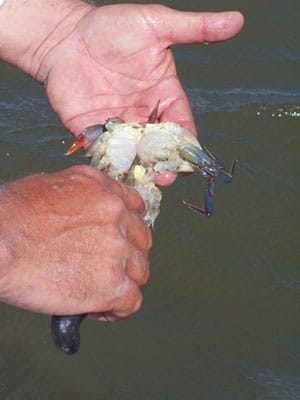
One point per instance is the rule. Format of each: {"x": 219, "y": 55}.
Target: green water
{"x": 220, "y": 318}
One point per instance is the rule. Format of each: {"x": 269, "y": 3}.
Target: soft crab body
{"x": 134, "y": 153}
{"x": 116, "y": 148}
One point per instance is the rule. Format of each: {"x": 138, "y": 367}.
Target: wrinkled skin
{"x": 118, "y": 63}
{"x": 66, "y": 261}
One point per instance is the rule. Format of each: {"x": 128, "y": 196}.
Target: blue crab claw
{"x": 199, "y": 159}
{"x": 217, "y": 162}
{"x": 87, "y": 137}
{"x": 209, "y": 167}
{"x": 207, "y": 210}
{"x": 225, "y": 176}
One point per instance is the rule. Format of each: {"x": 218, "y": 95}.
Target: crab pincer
{"x": 207, "y": 164}
{"x": 86, "y": 137}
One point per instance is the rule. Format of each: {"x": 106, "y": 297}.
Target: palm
{"x": 117, "y": 63}
{"x": 121, "y": 71}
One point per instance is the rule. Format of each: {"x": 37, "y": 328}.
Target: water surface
{"x": 220, "y": 318}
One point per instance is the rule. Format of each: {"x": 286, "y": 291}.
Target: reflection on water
{"x": 220, "y": 318}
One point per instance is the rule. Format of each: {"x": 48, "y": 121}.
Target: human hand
{"x": 117, "y": 62}
{"x": 73, "y": 242}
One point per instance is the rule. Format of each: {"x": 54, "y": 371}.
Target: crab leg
{"x": 213, "y": 157}
{"x": 208, "y": 208}
{"x": 209, "y": 167}
{"x": 226, "y": 176}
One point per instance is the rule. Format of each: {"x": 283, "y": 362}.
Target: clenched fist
{"x": 73, "y": 242}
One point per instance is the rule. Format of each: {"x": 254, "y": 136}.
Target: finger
{"x": 137, "y": 267}
{"x": 165, "y": 178}
{"x": 103, "y": 316}
{"x": 130, "y": 302}
{"x": 137, "y": 232}
{"x": 195, "y": 27}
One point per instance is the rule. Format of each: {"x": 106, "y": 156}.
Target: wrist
{"x": 30, "y": 29}
{"x": 6, "y": 247}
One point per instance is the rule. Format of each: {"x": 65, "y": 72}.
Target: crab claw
{"x": 153, "y": 117}
{"x": 201, "y": 160}
{"x": 225, "y": 176}
{"x": 86, "y": 137}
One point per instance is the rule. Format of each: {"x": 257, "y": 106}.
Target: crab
{"x": 133, "y": 154}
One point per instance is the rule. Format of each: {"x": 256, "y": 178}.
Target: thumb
{"x": 194, "y": 27}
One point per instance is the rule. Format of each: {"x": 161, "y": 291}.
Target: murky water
{"x": 220, "y": 318}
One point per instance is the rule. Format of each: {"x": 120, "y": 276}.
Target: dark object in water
{"x": 65, "y": 332}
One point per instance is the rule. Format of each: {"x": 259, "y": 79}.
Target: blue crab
{"x": 133, "y": 154}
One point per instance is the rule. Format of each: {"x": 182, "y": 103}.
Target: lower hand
{"x": 75, "y": 242}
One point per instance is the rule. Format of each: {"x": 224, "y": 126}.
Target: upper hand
{"x": 117, "y": 62}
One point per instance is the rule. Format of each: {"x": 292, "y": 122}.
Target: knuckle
{"x": 135, "y": 201}
{"x": 115, "y": 206}
{"x": 138, "y": 198}
{"x": 138, "y": 269}
{"x": 140, "y": 235}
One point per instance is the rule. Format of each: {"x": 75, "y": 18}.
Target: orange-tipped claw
{"x": 87, "y": 136}
{"x": 78, "y": 144}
